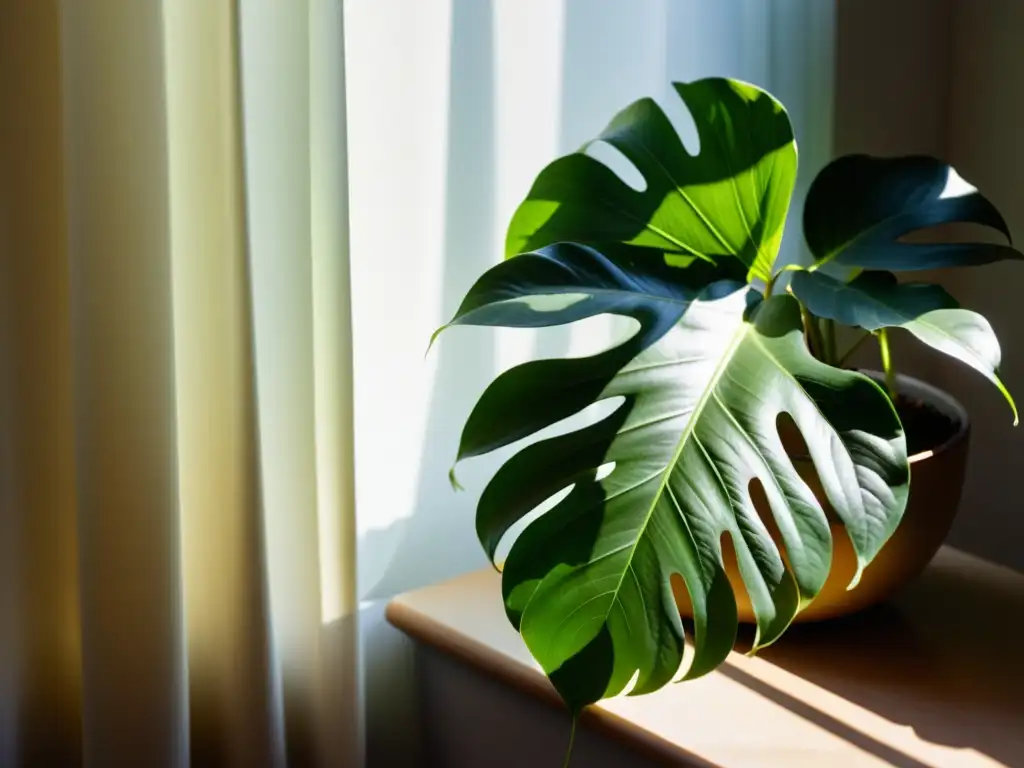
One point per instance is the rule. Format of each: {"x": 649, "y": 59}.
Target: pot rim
{"x": 939, "y": 399}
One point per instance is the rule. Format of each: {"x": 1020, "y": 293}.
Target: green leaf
{"x": 730, "y": 200}
{"x": 859, "y": 206}
{"x": 876, "y": 300}
{"x": 700, "y": 386}
{"x": 870, "y": 301}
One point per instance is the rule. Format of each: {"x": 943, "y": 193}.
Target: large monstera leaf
{"x": 728, "y": 201}
{"x": 875, "y": 300}
{"x": 859, "y": 207}
{"x": 700, "y": 386}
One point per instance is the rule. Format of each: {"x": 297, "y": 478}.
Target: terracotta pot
{"x": 936, "y": 482}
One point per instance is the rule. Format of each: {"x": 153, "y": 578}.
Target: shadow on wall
{"x": 465, "y": 360}
{"x": 438, "y": 540}
{"x": 433, "y": 544}
{"x": 435, "y": 541}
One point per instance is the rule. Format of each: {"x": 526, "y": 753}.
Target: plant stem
{"x": 572, "y": 740}
{"x": 856, "y": 345}
{"x": 831, "y": 350}
{"x": 770, "y": 285}
{"x": 812, "y": 332}
{"x": 890, "y": 372}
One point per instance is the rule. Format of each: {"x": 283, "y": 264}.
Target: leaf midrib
{"x": 698, "y": 409}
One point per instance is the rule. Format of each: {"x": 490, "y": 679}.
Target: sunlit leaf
{"x": 700, "y": 387}
{"x": 728, "y": 201}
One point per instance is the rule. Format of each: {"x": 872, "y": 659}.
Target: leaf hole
{"x": 956, "y": 186}
{"x": 759, "y": 499}
{"x": 681, "y": 594}
{"x": 796, "y": 448}
{"x": 514, "y": 531}
{"x": 739, "y": 587}
{"x": 682, "y": 121}
{"x": 954, "y": 232}
{"x": 621, "y": 165}
{"x": 792, "y": 439}
{"x": 631, "y": 685}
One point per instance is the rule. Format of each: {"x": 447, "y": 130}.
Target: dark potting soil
{"x": 926, "y": 426}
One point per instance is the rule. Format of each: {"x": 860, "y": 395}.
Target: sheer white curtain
{"x": 176, "y": 518}
{"x": 454, "y": 106}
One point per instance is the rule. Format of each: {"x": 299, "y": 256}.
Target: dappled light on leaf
{"x": 729, "y": 201}
{"x": 591, "y": 577}
{"x": 731, "y": 443}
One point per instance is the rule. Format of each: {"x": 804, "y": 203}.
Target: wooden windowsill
{"x": 934, "y": 679}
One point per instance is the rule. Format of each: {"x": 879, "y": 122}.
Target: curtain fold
{"x": 119, "y": 251}
{"x": 176, "y": 513}
{"x": 40, "y": 653}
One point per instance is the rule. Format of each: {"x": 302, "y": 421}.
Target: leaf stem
{"x": 831, "y": 348}
{"x": 856, "y": 345}
{"x": 812, "y": 332}
{"x": 770, "y": 285}
{"x": 890, "y": 372}
{"x": 572, "y": 740}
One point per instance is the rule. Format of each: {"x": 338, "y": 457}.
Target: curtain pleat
{"x": 235, "y": 711}
{"x": 40, "y": 656}
{"x": 115, "y": 126}
{"x": 276, "y": 107}
{"x": 176, "y": 484}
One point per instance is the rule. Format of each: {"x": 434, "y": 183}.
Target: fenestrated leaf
{"x": 702, "y": 383}
{"x": 876, "y": 300}
{"x": 730, "y": 200}
{"x": 859, "y": 206}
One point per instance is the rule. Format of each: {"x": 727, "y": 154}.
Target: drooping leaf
{"x": 729, "y": 200}
{"x": 702, "y": 383}
{"x": 859, "y": 206}
{"x": 875, "y": 300}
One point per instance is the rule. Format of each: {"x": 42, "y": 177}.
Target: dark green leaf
{"x": 859, "y": 206}
{"x": 730, "y": 200}
{"x": 870, "y": 301}
{"x": 700, "y": 387}
{"x": 876, "y": 300}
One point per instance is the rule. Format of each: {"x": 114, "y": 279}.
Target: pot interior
{"x": 932, "y": 419}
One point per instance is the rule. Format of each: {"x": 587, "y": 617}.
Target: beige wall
{"x": 986, "y": 128}
{"x": 945, "y": 77}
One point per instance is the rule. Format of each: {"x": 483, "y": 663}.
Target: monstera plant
{"x": 726, "y": 344}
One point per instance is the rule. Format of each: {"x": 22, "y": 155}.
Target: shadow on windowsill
{"x": 943, "y": 658}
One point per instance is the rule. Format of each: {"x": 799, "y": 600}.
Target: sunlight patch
{"x": 553, "y": 302}
{"x": 956, "y": 186}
